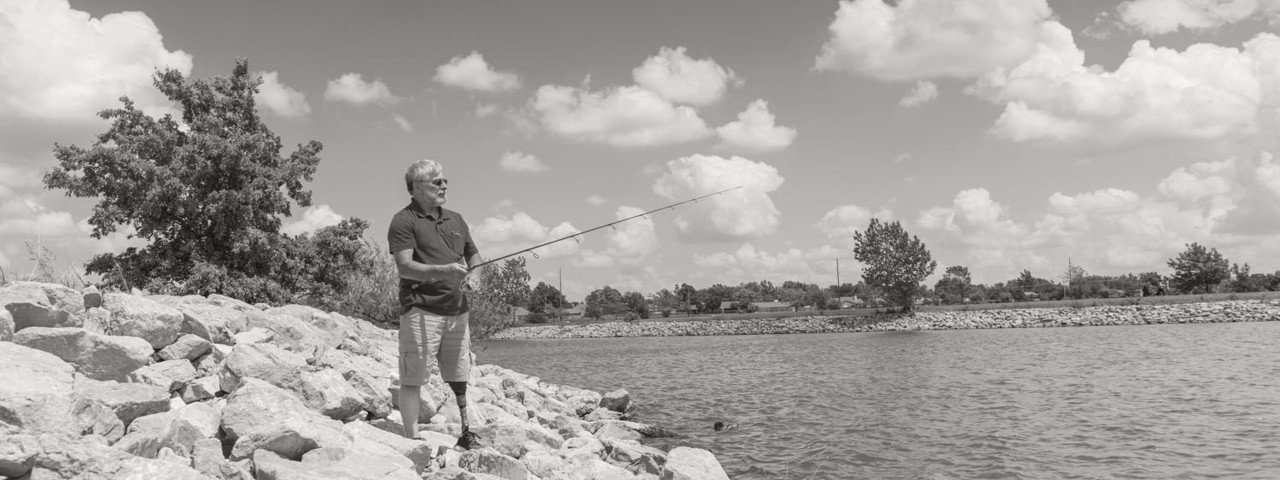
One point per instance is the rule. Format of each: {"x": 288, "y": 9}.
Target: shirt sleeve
{"x": 469, "y": 248}
{"x": 400, "y": 235}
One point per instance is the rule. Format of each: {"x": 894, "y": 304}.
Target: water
{"x": 1142, "y": 402}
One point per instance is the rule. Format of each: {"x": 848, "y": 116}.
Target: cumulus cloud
{"x": 755, "y": 131}
{"x": 472, "y": 72}
{"x": 924, "y": 92}
{"x": 352, "y": 88}
{"x": 842, "y": 221}
{"x": 917, "y": 39}
{"x": 1155, "y": 17}
{"x": 596, "y": 200}
{"x": 902, "y": 157}
{"x": 403, "y": 123}
{"x": 675, "y": 76}
{"x": 745, "y": 213}
{"x": 626, "y": 116}
{"x": 1205, "y": 92}
{"x": 485, "y": 109}
{"x": 520, "y": 162}
{"x": 279, "y": 98}
{"x": 62, "y": 65}
{"x": 631, "y": 242}
{"x": 312, "y": 219}
{"x": 500, "y": 235}
{"x": 981, "y": 226}
{"x": 750, "y": 263}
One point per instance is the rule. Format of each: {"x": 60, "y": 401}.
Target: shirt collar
{"x": 435, "y": 214}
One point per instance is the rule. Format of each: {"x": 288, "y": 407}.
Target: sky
{"x": 1008, "y": 135}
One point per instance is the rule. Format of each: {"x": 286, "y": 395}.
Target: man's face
{"x": 430, "y": 193}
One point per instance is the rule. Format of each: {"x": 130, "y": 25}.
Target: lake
{"x": 1141, "y": 402}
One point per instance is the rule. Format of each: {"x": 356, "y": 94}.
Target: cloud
{"x": 499, "y": 235}
{"x": 352, "y": 88}
{"x": 279, "y": 98}
{"x": 402, "y": 122}
{"x": 918, "y": 39}
{"x": 842, "y": 221}
{"x": 902, "y": 157}
{"x": 485, "y": 109}
{"x": 596, "y": 200}
{"x": 627, "y": 116}
{"x": 312, "y": 219}
{"x": 980, "y": 226}
{"x": 749, "y": 263}
{"x": 923, "y": 93}
{"x": 61, "y": 65}
{"x": 1205, "y": 92}
{"x": 1156, "y": 17}
{"x": 631, "y": 242}
{"x": 473, "y": 73}
{"x": 755, "y": 131}
{"x": 520, "y": 162}
{"x": 745, "y": 213}
{"x": 675, "y": 76}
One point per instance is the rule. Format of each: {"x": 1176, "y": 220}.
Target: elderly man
{"x": 433, "y": 252}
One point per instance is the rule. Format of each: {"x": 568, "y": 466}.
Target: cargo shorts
{"x": 427, "y": 339}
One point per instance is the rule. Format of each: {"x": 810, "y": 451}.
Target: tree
{"x": 818, "y": 298}
{"x": 1198, "y": 269}
{"x": 544, "y": 296}
{"x": 604, "y": 301}
{"x": 208, "y": 194}
{"x": 896, "y": 262}
{"x": 665, "y": 301}
{"x": 635, "y": 304}
{"x": 1073, "y": 277}
{"x": 688, "y": 296}
{"x": 953, "y": 287}
{"x": 502, "y": 288}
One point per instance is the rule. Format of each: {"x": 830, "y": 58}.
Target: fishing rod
{"x": 610, "y": 224}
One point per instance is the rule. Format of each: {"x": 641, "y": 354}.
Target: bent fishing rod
{"x": 607, "y": 225}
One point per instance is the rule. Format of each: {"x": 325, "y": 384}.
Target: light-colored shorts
{"x": 427, "y": 338}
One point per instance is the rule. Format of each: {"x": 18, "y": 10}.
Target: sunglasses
{"x": 439, "y": 182}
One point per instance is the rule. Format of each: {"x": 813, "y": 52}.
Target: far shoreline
{"x": 1132, "y": 313}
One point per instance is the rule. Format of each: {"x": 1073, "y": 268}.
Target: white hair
{"x": 421, "y": 170}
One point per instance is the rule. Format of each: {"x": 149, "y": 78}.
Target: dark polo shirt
{"x": 439, "y": 237}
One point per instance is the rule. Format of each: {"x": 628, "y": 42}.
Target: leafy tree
{"x": 635, "y": 303}
{"x": 713, "y": 296}
{"x": 207, "y": 194}
{"x": 604, "y": 301}
{"x": 954, "y": 285}
{"x": 502, "y": 288}
{"x": 1074, "y": 278}
{"x": 818, "y": 298}
{"x": 896, "y": 262}
{"x": 545, "y": 296}
{"x": 665, "y": 301}
{"x": 688, "y": 296}
{"x": 1198, "y": 269}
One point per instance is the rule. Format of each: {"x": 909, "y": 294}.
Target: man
{"x": 433, "y": 252}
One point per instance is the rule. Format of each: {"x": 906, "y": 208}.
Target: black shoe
{"x": 467, "y": 440}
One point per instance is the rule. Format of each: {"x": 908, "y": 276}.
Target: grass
{"x": 44, "y": 268}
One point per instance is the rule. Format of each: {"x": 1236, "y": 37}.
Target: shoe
{"x": 468, "y": 440}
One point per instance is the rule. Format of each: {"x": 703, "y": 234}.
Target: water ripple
{"x": 1145, "y": 402}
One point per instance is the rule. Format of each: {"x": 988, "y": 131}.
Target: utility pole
{"x": 838, "y": 272}
{"x": 560, "y": 304}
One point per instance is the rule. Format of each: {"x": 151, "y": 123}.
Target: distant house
{"x": 849, "y": 302}
{"x": 575, "y": 311}
{"x": 774, "y": 306}
{"x": 521, "y": 314}
{"x": 729, "y": 307}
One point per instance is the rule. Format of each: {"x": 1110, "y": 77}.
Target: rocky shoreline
{"x": 1141, "y": 314}
{"x": 146, "y": 386}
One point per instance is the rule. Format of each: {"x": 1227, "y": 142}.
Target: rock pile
{"x": 120, "y": 385}
{"x": 1142, "y": 314}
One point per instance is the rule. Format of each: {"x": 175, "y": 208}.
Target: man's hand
{"x": 453, "y": 273}
{"x": 471, "y": 283}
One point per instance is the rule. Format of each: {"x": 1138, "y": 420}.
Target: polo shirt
{"x": 437, "y": 237}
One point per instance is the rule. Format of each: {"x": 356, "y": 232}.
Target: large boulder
{"x": 141, "y": 317}
{"x": 262, "y": 361}
{"x": 293, "y": 334}
{"x": 686, "y": 463}
{"x": 330, "y": 463}
{"x": 100, "y": 357}
{"x": 187, "y": 347}
{"x": 490, "y": 461}
{"x": 96, "y": 418}
{"x": 35, "y": 390}
{"x": 325, "y": 391}
{"x": 35, "y": 304}
{"x": 178, "y": 430}
{"x": 617, "y": 400}
{"x": 417, "y": 451}
{"x": 259, "y": 415}
{"x": 72, "y": 457}
{"x": 217, "y": 324}
{"x": 171, "y": 375}
{"x": 129, "y": 401}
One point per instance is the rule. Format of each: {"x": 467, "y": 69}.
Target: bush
{"x": 537, "y": 318}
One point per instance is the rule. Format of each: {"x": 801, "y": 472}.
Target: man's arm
{"x": 411, "y": 269}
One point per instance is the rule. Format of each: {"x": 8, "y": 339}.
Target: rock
{"x": 202, "y": 388}
{"x": 505, "y": 438}
{"x": 375, "y": 393}
{"x": 363, "y": 464}
{"x": 171, "y": 375}
{"x": 625, "y": 452}
{"x": 617, "y": 400}
{"x": 253, "y": 335}
{"x": 35, "y": 390}
{"x": 192, "y": 423}
{"x": 417, "y": 451}
{"x": 602, "y": 414}
{"x": 582, "y": 447}
{"x": 138, "y": 316}
{"x": 96, "y": 320}
{"x": 291, "y": 438}
{"x": 487, "y": 460}
{"x": 257, "y": 403}
{"x": 96, "y": 418}
{"x": 92, "y": 297}
{"x": 206, "y": 457}
{"x": 329, "y": 464}
{"x": 616, "y": 430}
{"x": 685, "y": 463}
{"x": 6, "y": 326}
{"x": 217, "y": 324}
{"x": 325, "y": 391}
{"x": 262, "y": 361}
{"x": 292, "y": 333}
{"x": 57, "y": 456}
{"x": 187, "y": 347}
{"x": 33, "y": 304}
{"x": 101, "y": 357}
{"x": 129, "y": 401}
{"x": 261, "y": 415}
{"x": 211, "y": 363}
{"x": 541, "y": 463}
